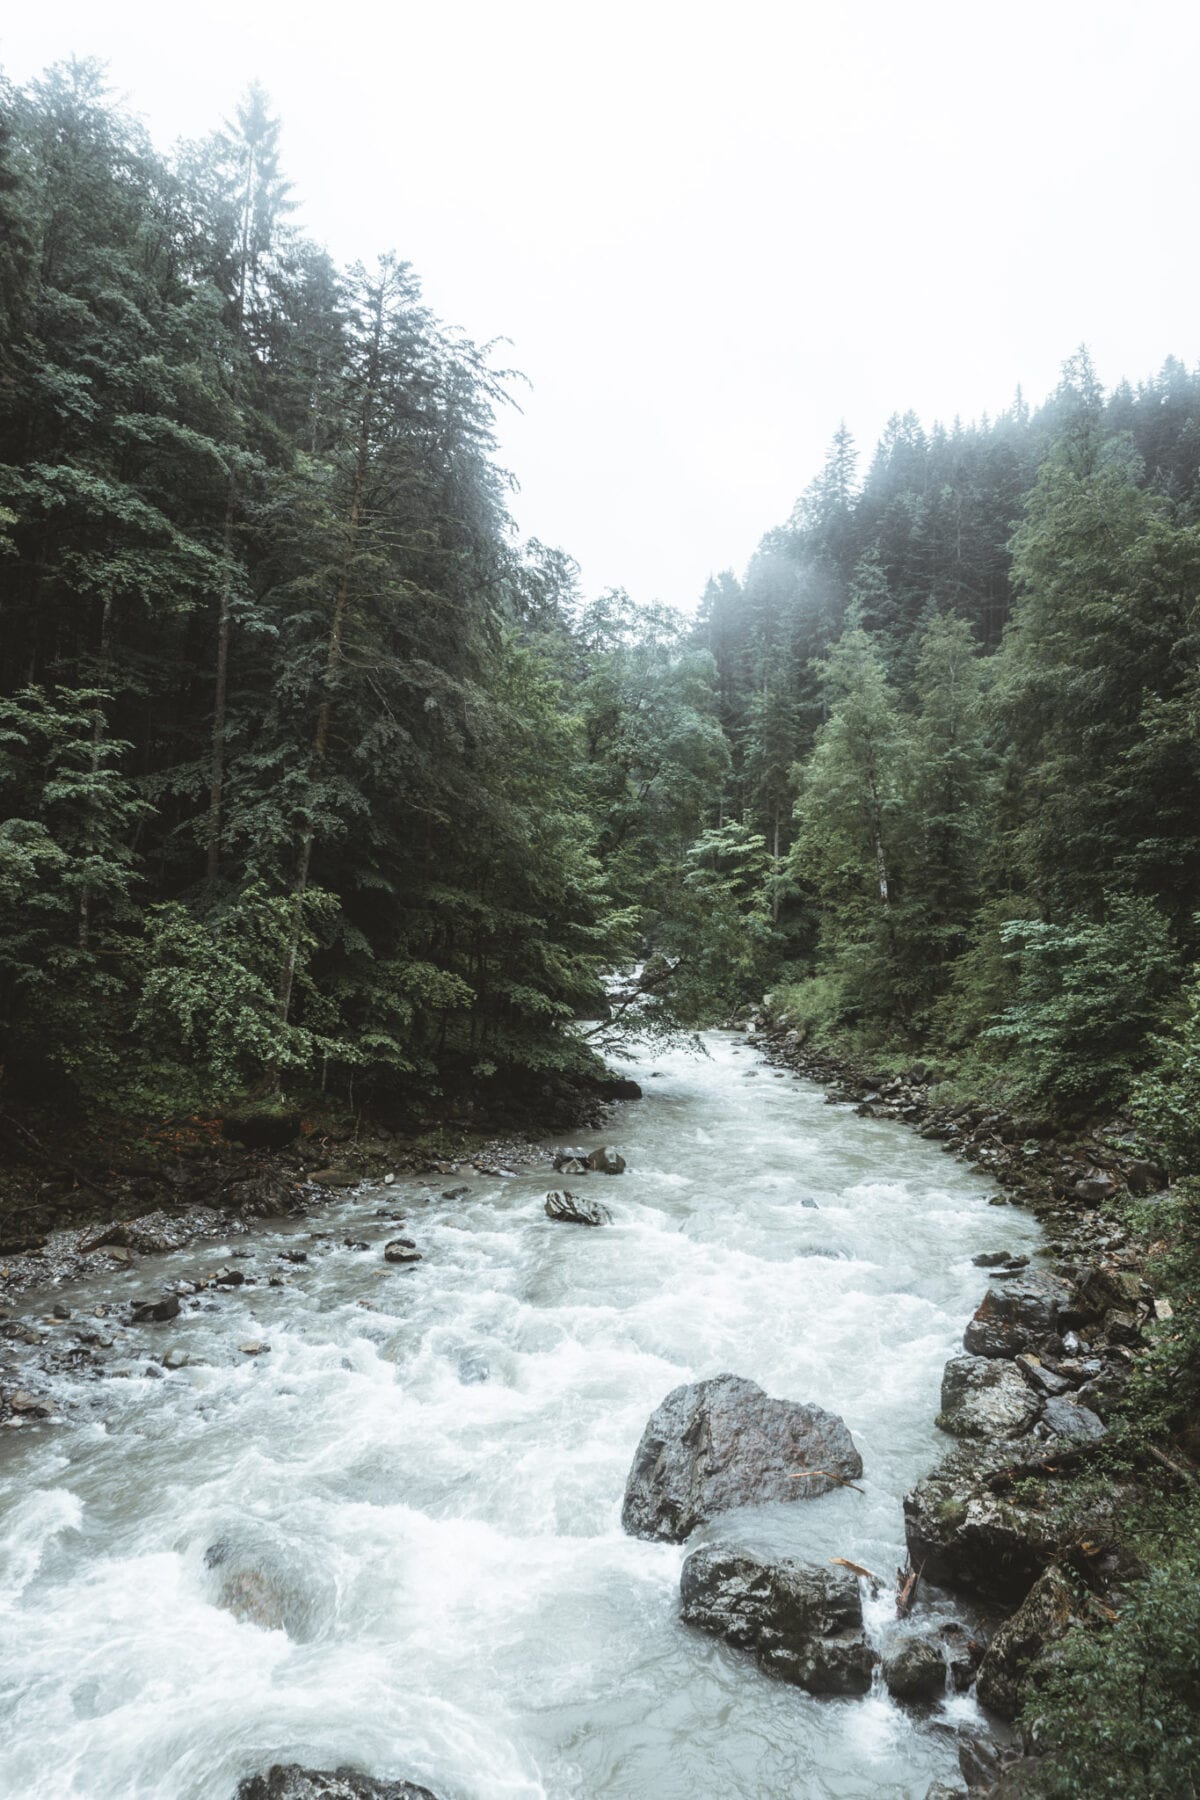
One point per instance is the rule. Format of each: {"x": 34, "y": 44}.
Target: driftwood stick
{"x": 1160, "y": 1456}
{"x": 907, "y": 1582}
{"x": 803, "y": 1474}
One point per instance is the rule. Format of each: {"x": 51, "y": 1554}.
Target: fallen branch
{"x": 804, "y": 1474}
{"x": 843, "y": 1562}
{"x": 907, "y": 1581}
{"x": 1053, "y": 1464}
{"x": 1160, "y": 1456}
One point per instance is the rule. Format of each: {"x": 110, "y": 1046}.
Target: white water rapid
{"x": 458, "y": 1602}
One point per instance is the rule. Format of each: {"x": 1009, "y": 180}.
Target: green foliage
{"x": 1088, "y": 998}
{"x": 1166, "y": 1100}
{"x": 1118, "y": 1710}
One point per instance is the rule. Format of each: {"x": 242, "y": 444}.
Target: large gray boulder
{"x": 985, "y": 1398}
{"x": 713, "y": 1445}
{"x": 803, "y": 1621}
{"x": 288, "y": 1781}
{"x": 607, "y": 1161}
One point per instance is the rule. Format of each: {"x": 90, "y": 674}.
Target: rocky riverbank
{"x": 1019, "y": 1515}
{"x": 207, "y": 1192}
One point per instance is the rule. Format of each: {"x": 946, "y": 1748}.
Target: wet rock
{"x": 254, "y": 1347}
{"x": 991, "y": 1259}
{"x": 457, "y": 1193}
{"x": 336, "y": 1178}
{"x": 571, "y": 1210}
{"x": 288, "y": 1781}
{"x": 155, "y": 1312}
{"x": 713, "y": 1445}
{"x": 401, "y": 1250}
{"x": 963, "y": 1655}
{"x": 228, "y": 1278}
{"x": 914, "y": 1669}
{"x": 802, "y": 1620}
{"x": 29, "y": 1406}
{"x": 1103, "y": 1288}
{"x": 992, "y": 1537}
{"x": 570, "y": 1162}
{"x": 607, "y": 1161}
{"x": 1045, "y": 1616}
{"x": 176, "y": 1359}
{"x": 293, "y": 1256}
{"x": 356, "y": 1243}
{"x": 1024, "y": 1314}
{"x": 985, "y": 1398}
{"x": 941, "y": 1790}
{"x": 619, "y": 1088}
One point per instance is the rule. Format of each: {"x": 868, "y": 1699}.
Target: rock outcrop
{"x": 713, "y": 1445}
{"x": 914, "y": 1669}
{"x": 803, "y": 1621}
{"x": 1047, "y": 1613}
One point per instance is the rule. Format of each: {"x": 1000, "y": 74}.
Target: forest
{"x": 318, "y": 784}
{"x": 315, "y": 779}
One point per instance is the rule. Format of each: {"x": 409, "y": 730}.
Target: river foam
{"x": 448, "y": 1592}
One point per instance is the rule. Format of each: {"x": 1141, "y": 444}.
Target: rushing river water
{"x": 458, "y": 1601}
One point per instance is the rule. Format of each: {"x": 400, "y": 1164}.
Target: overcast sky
{"x": 714, "y": 232}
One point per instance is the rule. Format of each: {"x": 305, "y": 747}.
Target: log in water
{"x": 394, "y": 1538}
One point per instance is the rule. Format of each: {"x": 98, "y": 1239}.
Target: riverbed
{"x": 418, "y": 1486}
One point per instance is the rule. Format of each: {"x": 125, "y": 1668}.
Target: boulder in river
{"x": 288, "y": 1781}
{"x": 607, "y": 1161}
{"x": 569, "y": 1209}
{"x": 713, "y": 1445}
{"x": 914, "y": 1669}
{"x": 803, "y": 1621}
{"x": 986, "y": 1398}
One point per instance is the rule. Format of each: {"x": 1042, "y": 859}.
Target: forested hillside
{"x": 313, "y": 776}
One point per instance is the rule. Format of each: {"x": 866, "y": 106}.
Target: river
{"x": 458, "y": 1601}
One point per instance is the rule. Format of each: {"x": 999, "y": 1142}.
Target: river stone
{"x": 155, "y": 1312}
{"x": 914, "y": 1669}
{"x": 571, "y": 1210}
{"x": 288, "y": 1781}
{"x": 985, "y": 1398}
{"x": 607, "y": 1161}
{"x": 1045, "y": 1616}
{"x": 1023, "y": 1314}
{"x": 802, "y": 1620}
{"x": 713, "y": 1445}
{"x": 401, "y": 1250}
{"x": 265, "y": 1579}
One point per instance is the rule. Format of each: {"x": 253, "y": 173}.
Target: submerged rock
{"x": 713, "y": 1445}
{"x": 155, "y": 1312}
{"x": 914, "y": 1669}
{"x": 985, "y": 1398}
{"x": 803, "y": 1621}
{"x": 569, "y": 1209}
{"x": 288, "y": 1781}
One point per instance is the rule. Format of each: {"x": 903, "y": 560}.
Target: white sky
{"x": 713, "y": 232}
